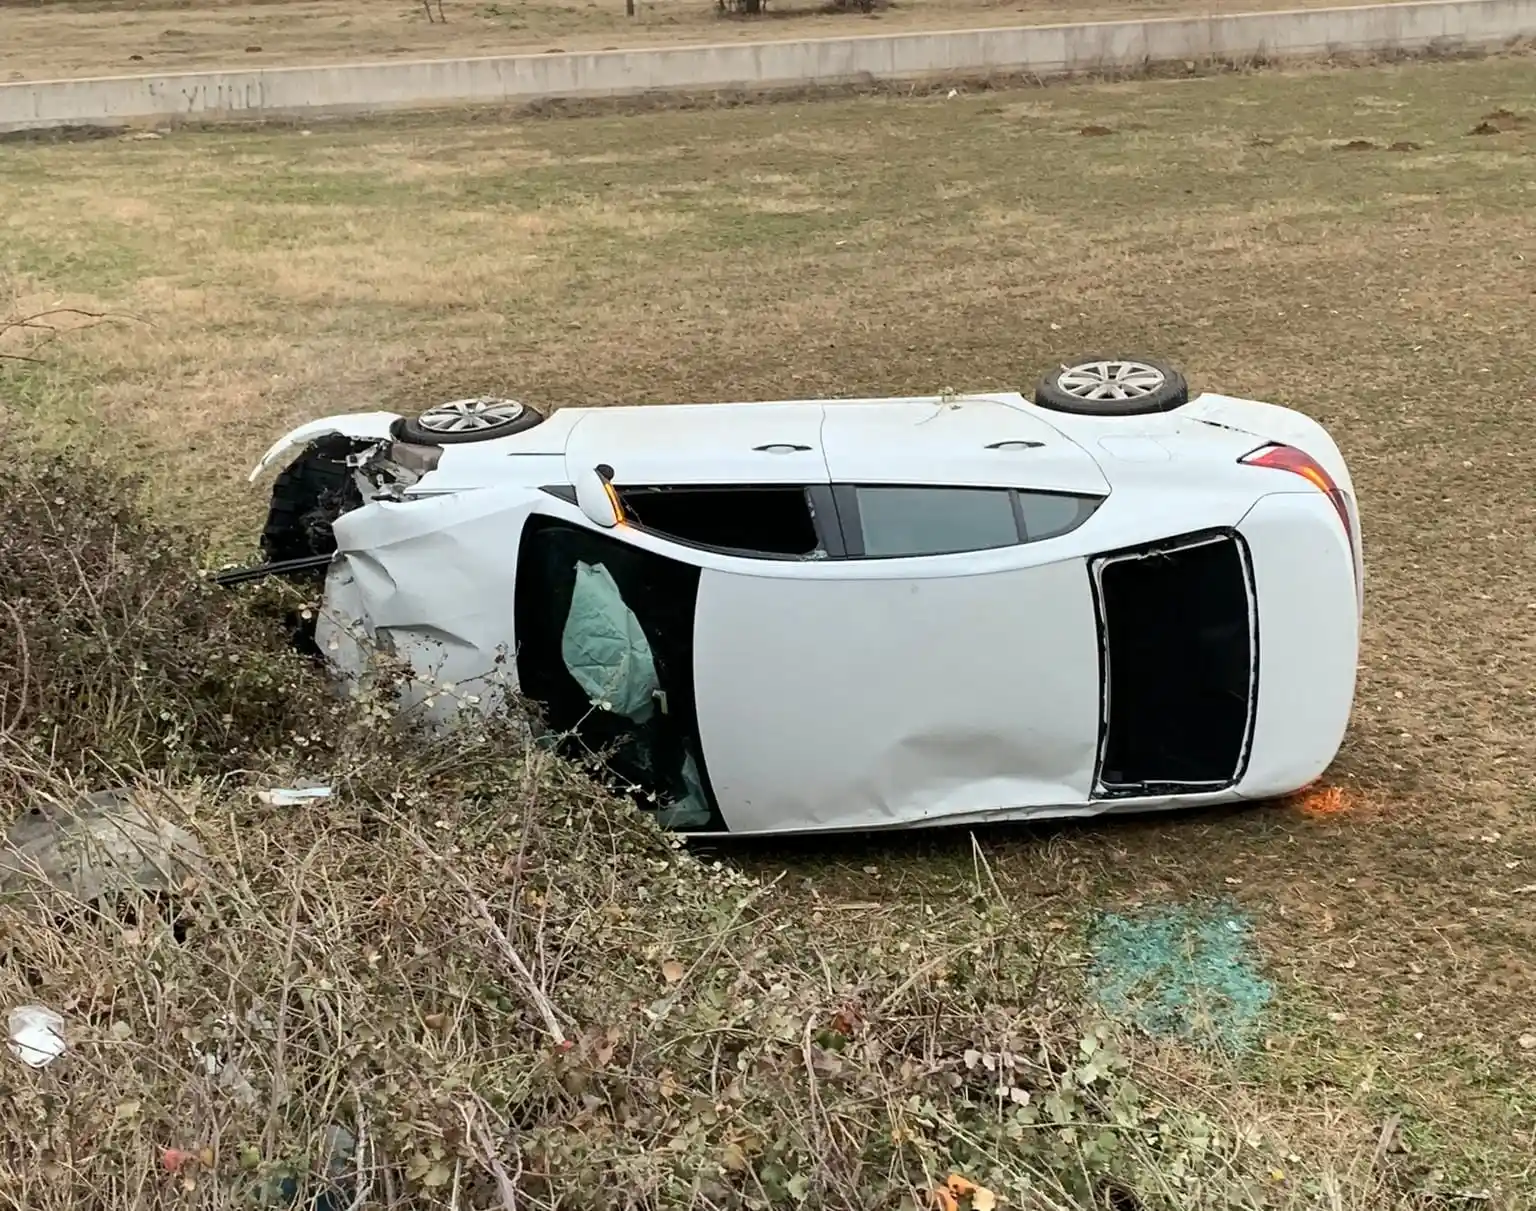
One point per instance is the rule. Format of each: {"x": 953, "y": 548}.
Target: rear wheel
{"x": 469, "y": 420}
{"x": 1112, "y": 386}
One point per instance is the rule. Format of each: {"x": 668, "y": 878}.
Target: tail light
{"x": 1299, "y": 462}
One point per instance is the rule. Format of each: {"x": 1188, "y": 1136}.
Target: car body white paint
{"x": 963, "y": 687}
{"x": 1309, "y": 639}
{"x": 932, "y": 697}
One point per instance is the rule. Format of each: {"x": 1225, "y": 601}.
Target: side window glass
{"x": 767, "y": 521}
{"x": 896, "y": 522}
{"x": 1052, "y": 514}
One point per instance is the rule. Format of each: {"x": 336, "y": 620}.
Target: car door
{"x": 944, "y": 666}
{"x": 945, "y": 663}
{"x": 876, "y": 694}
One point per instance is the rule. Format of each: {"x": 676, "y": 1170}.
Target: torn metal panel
{"x": 386, "y": 470}
{"x": 430, "y": 583}
{"x": 446, "y": 673}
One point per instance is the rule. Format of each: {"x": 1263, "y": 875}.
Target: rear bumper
{"x": 1308, "y": 639}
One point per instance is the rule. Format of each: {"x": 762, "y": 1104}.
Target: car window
{"x": 1050, "y": 514}
{"x": 769, "y": 521}
{"x": 894, "y": 522}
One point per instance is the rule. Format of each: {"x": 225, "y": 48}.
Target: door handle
{"x": 780, "y": 448}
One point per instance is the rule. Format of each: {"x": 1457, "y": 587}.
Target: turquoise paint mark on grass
{"x": 1183, "y": 973}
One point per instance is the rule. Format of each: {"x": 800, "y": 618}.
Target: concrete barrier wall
{"x": 1041, "y": 50}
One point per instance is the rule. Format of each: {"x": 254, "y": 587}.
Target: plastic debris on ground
{"x": 292, "y": 796}
{"x": 105, "y": 842}
{"x": 36, "y": 1035}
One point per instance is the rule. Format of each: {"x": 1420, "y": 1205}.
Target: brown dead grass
{"x": 60, "y": 38}
{"x": 883, "y": 246}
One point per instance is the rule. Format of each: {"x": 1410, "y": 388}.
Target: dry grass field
{"x": 1359, "y": 244}
{"x": 47, "y": 39}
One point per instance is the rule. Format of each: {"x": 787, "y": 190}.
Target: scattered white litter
{"x": 292, "y": 796}
{"x": 37, "y": 1035}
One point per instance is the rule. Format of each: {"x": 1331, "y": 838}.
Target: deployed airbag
{"x": 692, "y": 810}
{"x": 605, "y": 649}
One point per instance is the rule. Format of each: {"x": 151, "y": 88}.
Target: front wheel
{"x": 1112, "y": 386}
{"x": 468, "y": 420}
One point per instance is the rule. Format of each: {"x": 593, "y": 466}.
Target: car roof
{"x": 966, "y": 440}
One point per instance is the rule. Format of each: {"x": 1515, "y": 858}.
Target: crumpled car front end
{"x": 421, "y": 591}
{"x": 340, "y": 517}
{"x": 344, "y": 462}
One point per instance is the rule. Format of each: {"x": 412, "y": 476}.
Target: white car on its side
{"x": 860, "y": 614}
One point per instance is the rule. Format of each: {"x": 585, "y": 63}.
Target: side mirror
{"x": 596, "y": 498}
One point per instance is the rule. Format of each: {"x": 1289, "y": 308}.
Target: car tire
{"x": 1112, "y": 386}
{"x": 479, "y": 419}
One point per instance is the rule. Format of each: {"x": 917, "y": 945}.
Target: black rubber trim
{"x": 234, "y": 576}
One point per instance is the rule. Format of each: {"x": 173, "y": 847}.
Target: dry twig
{"x": 481, "y": 910}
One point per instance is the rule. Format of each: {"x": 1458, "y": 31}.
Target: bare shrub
{"x": 114, "y": 653}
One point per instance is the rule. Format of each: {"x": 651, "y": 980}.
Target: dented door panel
{"x": 863, "y": 703}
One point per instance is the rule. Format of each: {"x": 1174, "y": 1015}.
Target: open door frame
{"x": 662, "y": 593}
